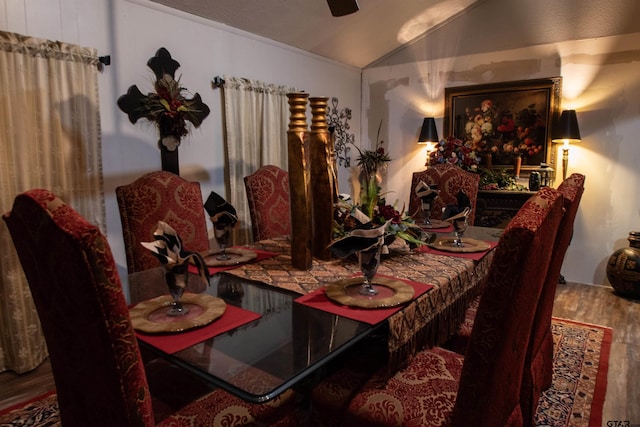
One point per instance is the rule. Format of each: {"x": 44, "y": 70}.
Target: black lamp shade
{"x": 428, "y": 133}
{"x": 567, "y": 128}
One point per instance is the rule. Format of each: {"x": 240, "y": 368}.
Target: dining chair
{"x": 160, "y": 196}
{"x": 481, "y": 388}
{"x": 450, "y": 180}
{"x": 269, "y": 204}
{"x": 539, "y": 361}
{"x": 96, "y": 362}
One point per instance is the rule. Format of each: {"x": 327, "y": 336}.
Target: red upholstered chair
{"x": 160, "y": 196}
{"x": 99, "y": 374}
{"x": 269, "y": 205}
{"x": 539, "y": 363}
{"x": 450, "y": 180}
{"x": 482, "y": 388}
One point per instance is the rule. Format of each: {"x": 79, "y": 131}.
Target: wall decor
{"x": 506, "y": 123}
{"x": 167, "y": 107}
{"x": 338, "y": 122}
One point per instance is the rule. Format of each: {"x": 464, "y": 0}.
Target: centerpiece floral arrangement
{"x": 373, "y": 210}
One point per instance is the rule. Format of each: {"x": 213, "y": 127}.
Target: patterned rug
{"x": 576, "y": 397}
{"x": 580, "y": 365}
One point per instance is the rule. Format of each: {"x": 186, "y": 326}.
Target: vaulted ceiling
{"x": 358, "y": 39}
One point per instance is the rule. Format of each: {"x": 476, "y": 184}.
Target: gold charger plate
{"x": 391, "y": 292}
{"x": 150, "y": 316}
{"x": 469, "y": 245}
{"x": 237, "y": 256}
{"x": 435, "y": 224}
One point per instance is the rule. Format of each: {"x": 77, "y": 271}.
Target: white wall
{"x": 131, "y": 31}
{"x": 600, "y": 81}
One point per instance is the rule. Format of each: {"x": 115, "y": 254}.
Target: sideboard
{"x": 495, "y": 208}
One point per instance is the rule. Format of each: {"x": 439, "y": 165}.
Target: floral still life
{"x": 505, "y": 131}
{"x": 167, "y": 247}
{"x": 456, "y": 152}
{"x": 168, "y": 107}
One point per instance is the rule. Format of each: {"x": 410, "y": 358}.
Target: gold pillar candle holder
{"x": 299, "y": 182}
{"x": 322, "y": 177}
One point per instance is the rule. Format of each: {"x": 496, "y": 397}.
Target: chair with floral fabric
{"x": 450, "y": 180}
{"x": 269, "y": 204}
{"x": 96, "y": 362}
{"x": 481, "y": 388}
{"x": 539, "y": 363}
{"x": 160, "y": 196}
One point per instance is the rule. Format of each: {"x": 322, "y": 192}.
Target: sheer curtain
{"x": 49, "y": 138}
{"x": 256, "y": 117}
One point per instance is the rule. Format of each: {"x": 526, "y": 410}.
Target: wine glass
{"x": 426, "y": 212}
{"x": 177, "y": 278}
{"x": 369, "y": 260}
{"x": 459, "y": 227}
{"x": 222, "y": 233}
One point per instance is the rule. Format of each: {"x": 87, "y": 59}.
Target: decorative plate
{"x": 391, "y": 292}
{"x": 468, "y": 245}
{"x": 236, "y": 256}
{"x": 151, "y": 316}
{"x": 435, "y": 224}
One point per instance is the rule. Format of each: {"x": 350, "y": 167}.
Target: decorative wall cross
{"x": 168, "y": 107}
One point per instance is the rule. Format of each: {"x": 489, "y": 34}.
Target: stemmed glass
{"x": 426, "y": 212}
{"x": 459, "y": 227}
{"x": 222, "y": 233}
{"x": 369, "y": 260}
{"x": 177, "y": 278}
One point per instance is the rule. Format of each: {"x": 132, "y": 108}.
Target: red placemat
{"x": 476, "y": 256}
{"x": 170, "y": 343}
{"x": 261, "y": 255}
{"x": 319, "y": 300}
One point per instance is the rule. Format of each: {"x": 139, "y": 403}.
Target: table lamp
{"x": 428, "y": 135}
{"x": 566, "y": 131}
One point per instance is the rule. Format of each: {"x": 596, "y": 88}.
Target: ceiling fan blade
{"x": 343, "y": 7}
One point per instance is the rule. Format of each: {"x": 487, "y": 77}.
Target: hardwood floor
{"x": 583, "y": 303}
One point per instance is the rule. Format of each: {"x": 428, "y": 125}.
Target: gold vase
{"x": 299, "y": 182}
{"x": 322, "y": 194}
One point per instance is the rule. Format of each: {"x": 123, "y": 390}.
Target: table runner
{"x": 172, "y": 343}
{"x": 318, "y": 299}
{"x": 429, "y": 321}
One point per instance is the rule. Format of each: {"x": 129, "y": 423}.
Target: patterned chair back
{"x": 96, "y": 363}
{"x": 490, "y": 383}
{"x": 539, "y": 364}
{"x": 269, "y": 205}
{"x": 160, "y": 196}
{"x": 450, "y": 180}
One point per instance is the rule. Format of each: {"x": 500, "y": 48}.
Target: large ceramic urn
{"x": 623, "y": 268}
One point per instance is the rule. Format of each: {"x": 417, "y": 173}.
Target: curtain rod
{"x": 217, "y": 82}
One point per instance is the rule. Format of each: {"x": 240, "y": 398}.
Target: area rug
{"x": 580, "y": 366}
{"x": 576, "y": 397}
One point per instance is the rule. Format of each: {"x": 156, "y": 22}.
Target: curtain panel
{"x": 256, "y": 119}
{"x": 49, "y": 138}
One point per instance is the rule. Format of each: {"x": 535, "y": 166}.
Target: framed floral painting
{"x": 504, "y": 121}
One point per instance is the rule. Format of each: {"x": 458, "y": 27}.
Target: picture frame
{"x": 504, "y": 121}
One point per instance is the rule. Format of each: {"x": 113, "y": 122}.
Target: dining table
{"x": 278, "y": 327}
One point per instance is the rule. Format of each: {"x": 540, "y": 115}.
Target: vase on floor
{"x": 623, "y": 268}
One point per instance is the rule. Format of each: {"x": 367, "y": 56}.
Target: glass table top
{"x": 263, "y": 358}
